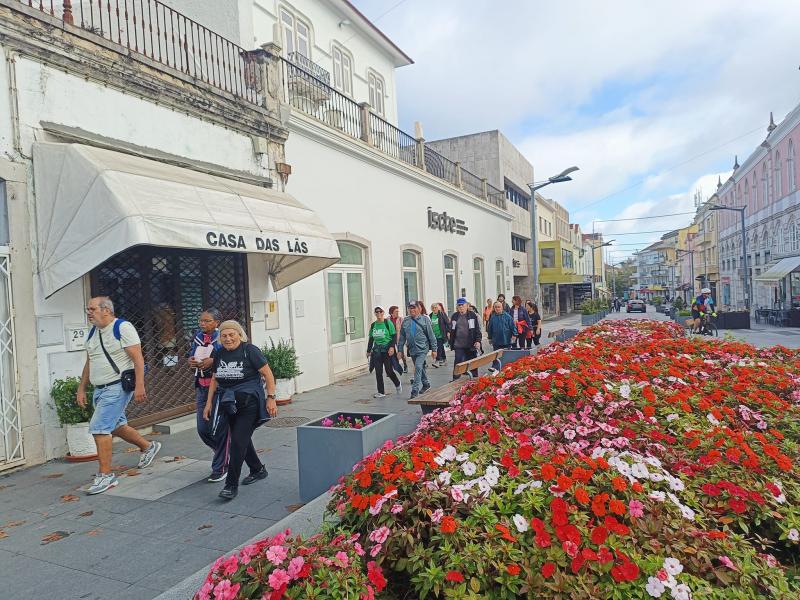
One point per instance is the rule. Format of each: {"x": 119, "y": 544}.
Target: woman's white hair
{"x": 233, "y": 325}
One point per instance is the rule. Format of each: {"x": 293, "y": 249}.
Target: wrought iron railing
{"x": 315, "y": 98}
{"x": 162, "y": 34}
{"x": 310, "y": 67}
{"x": 393, "y": 141}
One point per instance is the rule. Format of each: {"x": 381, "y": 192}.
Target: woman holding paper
{"x": 214, "y": 432}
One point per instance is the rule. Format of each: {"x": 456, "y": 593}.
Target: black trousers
{"x": 440, "y": 355}
{"x": 242, "y": 425}
{"x": 463, "y": 354}
{"x": 384, "y": 361}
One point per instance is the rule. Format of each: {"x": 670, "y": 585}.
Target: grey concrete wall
{"x": 514, "y": 165}
{"x": 477, "y": 152}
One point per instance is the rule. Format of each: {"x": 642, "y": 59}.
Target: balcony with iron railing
{"x": 151, "y": 30}
{"x": 310, "y": 67}
{"x": 314, "y": 97}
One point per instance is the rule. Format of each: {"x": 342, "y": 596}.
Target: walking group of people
{"x": 420, "y": 336}
{"x": 230, "y": 378}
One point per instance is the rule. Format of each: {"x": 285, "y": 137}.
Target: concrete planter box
{"x": 509, "y": 356}
{"x": 733, "y": 320}
{"x": 326, "y": 453}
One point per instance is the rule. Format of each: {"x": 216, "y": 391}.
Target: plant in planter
{"x": 76, "y": 419}
{"x": 282, "y": 359}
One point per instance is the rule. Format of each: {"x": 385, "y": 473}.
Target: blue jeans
{"x": 218, "y": 440}
{"x": 109, "y": 409}
{"x": 420, "y": 376}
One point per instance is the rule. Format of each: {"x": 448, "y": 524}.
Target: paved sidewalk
{"x": 166, "y": 522}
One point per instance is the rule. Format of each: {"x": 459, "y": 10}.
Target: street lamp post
{"x": 594, "y": 269}
{"x": 561, "y": 177}
{"x": 748, "y": 284}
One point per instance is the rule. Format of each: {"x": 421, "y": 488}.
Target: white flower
{"x": 536, "y": 484}
{"x": 653, "y": 462}
{"x": 687, "y": 513}
{"x": 624, "y": 468}
{"x": 676, "y": 484}
{"x": 671, "y": 417}
{"x": 521, "y": 523}
{"x": 625, "y": 391}
{"x": 444, "y": 477}
{"x": 794, "y": 535}
{"x": 654, "y": 587}
{"x": 660, "y": 496}
{"x": 673, "y": 566}
{"x": 448, "y": 453}
{"x": 462, "y": 457}
{"x": 469, "y": 468}
{"x": 439, "y": 460}
{"x": 656, "y": 477}
{"x": 780, "y": 499}
{"x": 520, "y": 488}
{"x": 681, "y": 592}
{"x": 485, "y": 487}
{"x": 492, "y": 475}
{"x": 712, "y": 419}
{"x": 640, "y": 471}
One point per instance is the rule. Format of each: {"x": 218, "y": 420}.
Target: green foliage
{"x": 282, "y": 359}
{"x": 64, "y": 394}
{"x": 590, "y": 307}
{"x": 678, "y": 303}
{"x": 684, "y": 313}
{"x": 658, "y": 301}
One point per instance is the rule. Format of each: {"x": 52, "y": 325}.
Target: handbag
{"x": 127, "y": 378}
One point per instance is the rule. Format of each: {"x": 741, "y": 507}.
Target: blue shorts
{"x": 109, "y": 409}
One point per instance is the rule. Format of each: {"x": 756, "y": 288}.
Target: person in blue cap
{"x": 465, "y": 334}
{"x": 416, "y": 332}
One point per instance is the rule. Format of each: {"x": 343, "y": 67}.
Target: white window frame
{"x": 377, "y": 92}
{"x": 291, "y": 35}
{"x": 454, "y": 272}
{"x": 479, "y": 272}
{"x": 499, "y": 276}
{"x": 416, "y": 270}
{"x": 342, "y": 69}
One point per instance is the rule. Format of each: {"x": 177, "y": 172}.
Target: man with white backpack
{"x": 115, "y": 367}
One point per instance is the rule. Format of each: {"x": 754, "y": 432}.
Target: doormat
{"x": 287, "y": 421}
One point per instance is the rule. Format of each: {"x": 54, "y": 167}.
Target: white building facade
{"x": 190, "y": 158}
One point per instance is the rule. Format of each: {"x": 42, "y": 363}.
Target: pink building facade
{"x": 767, "y": 185}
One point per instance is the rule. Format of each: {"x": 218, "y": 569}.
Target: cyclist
{"x": 702, "y": 307}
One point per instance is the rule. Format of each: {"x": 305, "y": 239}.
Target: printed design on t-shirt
{"x": 230, "y": 370}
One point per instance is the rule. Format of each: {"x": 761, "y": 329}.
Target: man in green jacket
{"x": 416, "y": 332}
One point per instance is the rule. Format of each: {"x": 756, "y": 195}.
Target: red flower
{"x": 599, "y": 535}
{"x": 525, "y": 452}
{"x": 582, "y": 496}
{"x": 543, "y": 539}
{"x": 537, "y": 524}
{"x": 375, "y": 575}
{"x": 710, "y": 489}
{"x": 571, "y": 548}
{"x": 454, "y": 576}
{"x": 617, "y": 506}
{"x": 548, "y": 569}
{"x": 513, "y": 570}
{"x": 494, "y": 435}
{"x": 737, "y": 506}
{"x": 619, "y": 484}
{"x": 548, "y": 472}
{"x": 626, "y": 571}
{"x": 448, "y": 524}
{"x": 604, "y": 555}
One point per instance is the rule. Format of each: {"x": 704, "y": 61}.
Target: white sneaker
{"x": 149, "y": 455}
{"x": 102, "y": 482}
{"x": 399, "y": 388}
{"x": 378, "y": 395}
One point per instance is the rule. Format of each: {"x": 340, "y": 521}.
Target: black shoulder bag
{"x": 127, "y": 377}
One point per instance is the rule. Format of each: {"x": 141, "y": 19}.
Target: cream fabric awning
{"x": 780, "y": 270}
{"x": 93, "y": 203}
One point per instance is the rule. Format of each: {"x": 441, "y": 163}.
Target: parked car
{"x": 636, "y": 306}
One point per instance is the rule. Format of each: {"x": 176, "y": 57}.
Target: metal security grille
{"x": 162, "y": 291}
{"x": 10, "y": 421}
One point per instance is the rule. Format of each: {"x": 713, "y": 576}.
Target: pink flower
{"x": 397, "y": 508}
{"x": 204, "y": 593}
{"x": 437, "y": 515}
{"x": 359, "y": 549}
{"x": 375, "y": 550}
{"x": 380, "y": 535}
{"x": 229, "y": 566}
{"x": 225, "y": 590}
{"x": 276, "y": 554}
{"x": 278, "y": 578}
{"x": 326, "y": 422}
{"x": 726, "y": 561}
{"x": 342, "y": 559}
{"x": 636, "y": 508}
{"x": 295, "y": 566}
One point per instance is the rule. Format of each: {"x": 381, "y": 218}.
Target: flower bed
{"x": 628, "y": 463}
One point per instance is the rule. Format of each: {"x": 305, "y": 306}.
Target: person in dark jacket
{"x": 238, "y": 371}
{"x": 501, "y": 330}
{"x": 535, "y": 334}
{"x": 380, "y": 349}
{"x": 501, "y": 298}
{"x": 441, "y": 327}
{"x": 201, "y": 361}
{"x": 465, "y": 334}
{"x": 416, "y": 333}
{"x": 522, "y": 321}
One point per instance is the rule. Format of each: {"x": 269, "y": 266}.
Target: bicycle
{"x": 707, "y": 326}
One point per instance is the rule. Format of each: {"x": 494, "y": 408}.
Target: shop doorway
{"x": 162, "y": 291}
{"x": 346, "y": 310}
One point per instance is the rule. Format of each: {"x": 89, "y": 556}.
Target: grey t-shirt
{"x": 463, "y": 338}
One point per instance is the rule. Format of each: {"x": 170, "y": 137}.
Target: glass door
{"x": 346, "y": 320}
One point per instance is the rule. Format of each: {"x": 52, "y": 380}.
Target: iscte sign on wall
{"x": 444, "y": 222}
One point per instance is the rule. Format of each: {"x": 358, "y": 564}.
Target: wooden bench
{"x": 441, "y": 396}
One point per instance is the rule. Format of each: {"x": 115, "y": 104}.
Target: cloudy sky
{"x": 650, "y": 99}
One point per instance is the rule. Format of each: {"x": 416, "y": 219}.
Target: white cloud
{"x": 633, "y": 92}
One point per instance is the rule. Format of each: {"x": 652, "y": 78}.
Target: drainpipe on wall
{"x": 11, "y": 68}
